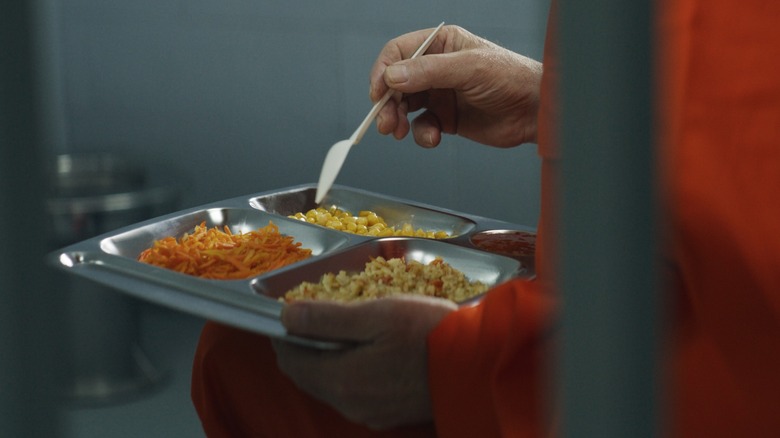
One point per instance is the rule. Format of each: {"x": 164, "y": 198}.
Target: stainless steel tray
{"x": 252, "y": 304}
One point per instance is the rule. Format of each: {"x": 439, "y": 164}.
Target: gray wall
{"x": 242, "y": 96}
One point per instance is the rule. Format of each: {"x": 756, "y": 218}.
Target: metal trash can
{"x": 91, "y": 194}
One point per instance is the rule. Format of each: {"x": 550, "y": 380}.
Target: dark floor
{"x": 163, "y": 410}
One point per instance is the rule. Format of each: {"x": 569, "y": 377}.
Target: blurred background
{"x": 245, "y": 95}
{"x": 224, "y": 98}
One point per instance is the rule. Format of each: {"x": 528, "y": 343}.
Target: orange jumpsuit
{"x": 488, "y": 368}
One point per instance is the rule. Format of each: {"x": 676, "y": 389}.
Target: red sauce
{"x": 515, "y": 244}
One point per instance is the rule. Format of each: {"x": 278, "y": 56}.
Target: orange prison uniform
{"x": 720, "y": 155}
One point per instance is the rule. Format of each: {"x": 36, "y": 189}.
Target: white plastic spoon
{"x": 338, "y": 152}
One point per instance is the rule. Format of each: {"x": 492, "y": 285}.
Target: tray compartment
{"x": 481, "y": 266}
{"x": 395, "y": 212}
{"x": 517, "y": 244}
{"x": 131, "y": 243}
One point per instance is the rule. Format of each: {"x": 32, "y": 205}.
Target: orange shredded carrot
{"x": 211, "y": 253}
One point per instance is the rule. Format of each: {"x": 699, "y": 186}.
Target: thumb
{"x": 447, "y": 70}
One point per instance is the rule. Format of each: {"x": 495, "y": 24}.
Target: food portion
{"x": 219, "y": 254}
{"x": 366, "y": 223}
{"x": 510, "y": 243}
{"x": 383, "y": 277}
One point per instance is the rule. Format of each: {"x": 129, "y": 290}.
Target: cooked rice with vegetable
{"x": 382, "y": 278}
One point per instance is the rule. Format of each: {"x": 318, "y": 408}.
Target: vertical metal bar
{"x": 609, "y": 356}
{"x": 48, "y": 59}
{"x": 30, "y": 366}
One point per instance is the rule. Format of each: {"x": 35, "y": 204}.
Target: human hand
{"x": 380, "y": 379}
{"x": 467, "y": 85}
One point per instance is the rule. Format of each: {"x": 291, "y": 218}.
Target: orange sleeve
{"x": 489, "y": 365}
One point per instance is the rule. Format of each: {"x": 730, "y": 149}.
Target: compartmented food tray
{"x": 485, "y": 250}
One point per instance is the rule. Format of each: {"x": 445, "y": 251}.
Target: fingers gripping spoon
{"x": 338, "y": 152}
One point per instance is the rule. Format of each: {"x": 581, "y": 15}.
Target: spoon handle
{"x": 361, "y": 130}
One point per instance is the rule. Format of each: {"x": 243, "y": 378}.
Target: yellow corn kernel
{"x": 372, "y": 218}
{"x": 379, "y": 226}
{"x": 334, "y": 224}
{"x": 387, "y": 231}
{"x": 366, "y": 222}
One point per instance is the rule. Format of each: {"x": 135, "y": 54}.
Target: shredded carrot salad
{"x": 215, "y": 254}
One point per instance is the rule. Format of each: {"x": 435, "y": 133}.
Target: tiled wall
{"x": 242, "y": 96}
